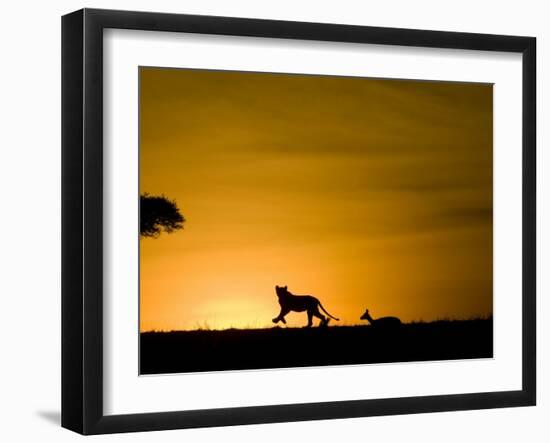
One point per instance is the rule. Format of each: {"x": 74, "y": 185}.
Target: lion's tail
{"x": 326, "y": 312}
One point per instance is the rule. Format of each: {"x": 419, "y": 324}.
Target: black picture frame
{"x": 82, "y": 220}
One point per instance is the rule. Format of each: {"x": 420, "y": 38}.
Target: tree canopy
{"x": 157, "y": 214}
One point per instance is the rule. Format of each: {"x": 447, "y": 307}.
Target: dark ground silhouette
{"x": 233, "y": 349}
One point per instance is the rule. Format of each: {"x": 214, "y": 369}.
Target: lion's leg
{"x": 281, "y": 316}
{"x": 324, "y": 320}
{"x": 309, "y": 319}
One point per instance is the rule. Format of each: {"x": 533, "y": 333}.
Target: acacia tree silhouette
{"x": 157, "y": 213}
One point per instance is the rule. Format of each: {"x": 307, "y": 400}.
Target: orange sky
{"x": 366, "y": 193}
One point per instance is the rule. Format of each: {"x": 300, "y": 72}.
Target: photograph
{"x": 295, "y": 218}
{"x": 291, "y": 220}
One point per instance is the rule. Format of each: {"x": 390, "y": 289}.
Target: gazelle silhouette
{"x": 386, "y": 322}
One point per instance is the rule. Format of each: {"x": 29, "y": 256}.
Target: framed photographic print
{"x": 268, "y": 221}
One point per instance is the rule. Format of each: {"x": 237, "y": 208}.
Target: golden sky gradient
{"x": 366, "y": 193}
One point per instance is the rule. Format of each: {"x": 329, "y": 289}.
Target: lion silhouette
{"x": 300, "y": 303}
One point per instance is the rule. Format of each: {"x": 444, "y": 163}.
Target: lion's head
{"x": 281, "y": 290}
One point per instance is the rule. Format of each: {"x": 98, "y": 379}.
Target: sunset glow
{"x": 365, "y": 193}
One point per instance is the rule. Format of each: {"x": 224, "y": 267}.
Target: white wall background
{"x": 30, "y": 218}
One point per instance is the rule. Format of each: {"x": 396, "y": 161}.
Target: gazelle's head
{"x": 365, "y": 316}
